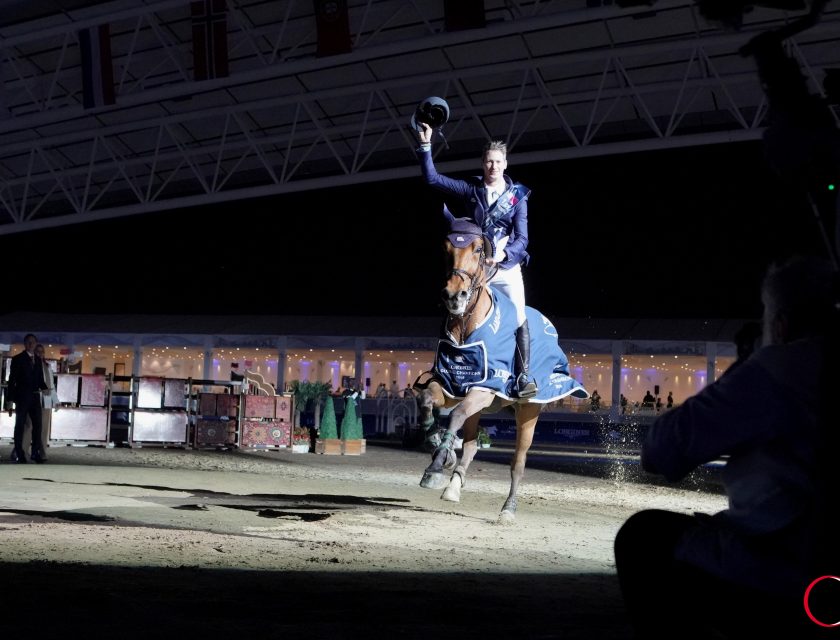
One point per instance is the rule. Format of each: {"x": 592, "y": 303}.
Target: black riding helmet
{"x": 432, "y": 111}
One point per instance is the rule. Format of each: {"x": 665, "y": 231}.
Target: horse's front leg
{"x": 527, "y": 415}
{"x": 475, "y": 400}
{"x": 459, "y": 475}
{"x": 429, "y": 399}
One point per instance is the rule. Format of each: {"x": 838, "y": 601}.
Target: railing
{"x": 392, "y": 414}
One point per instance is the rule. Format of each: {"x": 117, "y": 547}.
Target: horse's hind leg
{"x": 459, "y": 475}
{"x": 526, "y": 420}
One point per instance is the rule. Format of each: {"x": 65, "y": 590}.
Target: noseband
{"x": 464, "y": 275}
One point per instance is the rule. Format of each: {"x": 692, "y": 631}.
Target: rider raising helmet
{"x": 500, "y": 207}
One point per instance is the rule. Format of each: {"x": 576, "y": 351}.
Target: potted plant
{"x": 352, "y": 442}
{"x": 328, "y": 442}
{"x": 483, "y": 438}
{"x": 300, "y": 440}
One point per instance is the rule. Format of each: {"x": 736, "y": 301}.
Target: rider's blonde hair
{"x": 495, "y": 145}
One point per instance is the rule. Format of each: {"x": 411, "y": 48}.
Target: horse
{"x": 472, "y": 371}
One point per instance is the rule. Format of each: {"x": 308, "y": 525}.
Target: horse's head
{"x": 466, "y": 250}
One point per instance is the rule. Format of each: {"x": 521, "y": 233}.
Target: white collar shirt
{"x": 492, "y": 195}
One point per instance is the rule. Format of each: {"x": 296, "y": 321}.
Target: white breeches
{"x": 510, "y": 282}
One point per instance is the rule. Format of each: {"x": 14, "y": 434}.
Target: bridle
{"x": 476, "y": 280}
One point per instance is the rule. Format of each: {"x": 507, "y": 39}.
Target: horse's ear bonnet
{"x": 462, "y": 233}
{"x": 432, "y": 111}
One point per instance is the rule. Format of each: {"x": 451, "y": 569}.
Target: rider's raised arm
{"x": 443, "y": 183}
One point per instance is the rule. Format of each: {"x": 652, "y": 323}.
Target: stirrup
{"x": 526, "y": 386}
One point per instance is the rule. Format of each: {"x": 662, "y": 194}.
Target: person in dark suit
{"x": 26, "y": 382}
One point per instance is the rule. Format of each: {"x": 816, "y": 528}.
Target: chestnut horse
{"x": 477, "y": 333}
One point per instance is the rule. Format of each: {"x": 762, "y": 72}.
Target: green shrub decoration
{"x": 329, "y": 427}
{"x": 351, "y": 425}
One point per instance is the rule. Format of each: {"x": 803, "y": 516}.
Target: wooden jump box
{"x": 338, "y": 447}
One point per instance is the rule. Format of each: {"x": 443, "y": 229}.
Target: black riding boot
{"x": 526, "y": 386}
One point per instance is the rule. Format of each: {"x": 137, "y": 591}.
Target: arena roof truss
{"x": 556, "y": 79}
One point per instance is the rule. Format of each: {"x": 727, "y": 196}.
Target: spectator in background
{"x": 743, "y": 572}
{"x": 623, "y": 403}
{"x": 49, "y": 401}
{"x": 648, "y": 401}
{"x": 26, "y": 382}
{"x": 669, "y": 404}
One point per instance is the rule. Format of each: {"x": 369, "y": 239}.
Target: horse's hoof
{"x": 452, "y": 493}
{"x": 508, "y": 513}
{"x": 433, "y": 480}
{"x": 506, "y": 518}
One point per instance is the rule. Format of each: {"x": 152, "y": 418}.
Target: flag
{"x": 463, "y": 14}
{"x": 97, "y": 68}
{"x": 333, "y": 25}
{"x": 209, "y": 31}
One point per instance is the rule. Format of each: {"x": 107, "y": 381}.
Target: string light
{"x": 687, "y": 373}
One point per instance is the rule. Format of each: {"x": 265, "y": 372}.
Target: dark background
{"x": 678, "y": 233}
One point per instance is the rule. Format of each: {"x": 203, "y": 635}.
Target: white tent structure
{"x": 557, "y": 78}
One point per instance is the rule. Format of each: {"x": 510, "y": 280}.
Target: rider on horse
{"x": 499, "y": 207}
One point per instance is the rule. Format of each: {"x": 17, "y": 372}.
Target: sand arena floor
{"x": 178, "y": 543}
